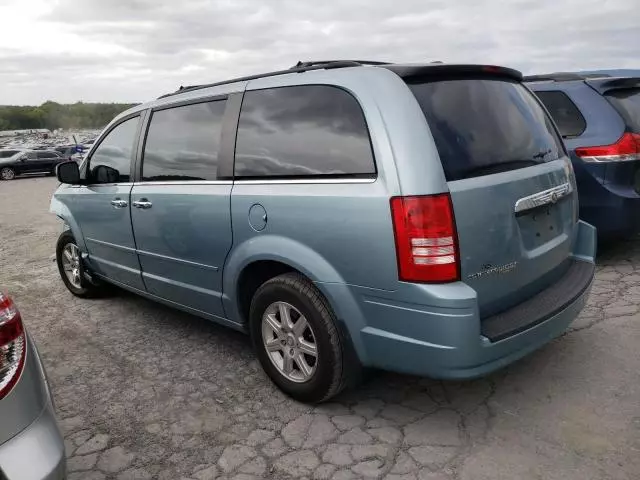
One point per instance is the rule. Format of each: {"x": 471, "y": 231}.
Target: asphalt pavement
{"x": 143, "y": 391}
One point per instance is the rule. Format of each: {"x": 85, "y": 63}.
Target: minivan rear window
{"x": 627, "y": 103}
{"x": 486, "y": 126}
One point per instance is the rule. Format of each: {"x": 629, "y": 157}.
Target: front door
{"x": 102, "y": 207}
{"x": 180, "y": 211}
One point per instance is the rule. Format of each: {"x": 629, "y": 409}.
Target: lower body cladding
{"x": 36, "y": 452}
{"x": 453, "y": 342}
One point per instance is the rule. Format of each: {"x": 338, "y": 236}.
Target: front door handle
{"x": 142, "y": 203}
{"x": 118, "y": 203}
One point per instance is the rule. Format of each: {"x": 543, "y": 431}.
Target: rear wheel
{"x": 71, "y": 268}
{"x": 7, "y": 173}
{"x": 296, "y": 338}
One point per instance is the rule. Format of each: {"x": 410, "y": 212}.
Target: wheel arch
{"x": 61, "y": 211}
{"x": 258, "y": 259}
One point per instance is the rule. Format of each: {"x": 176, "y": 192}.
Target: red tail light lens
{"x": 426, "y": 239}
{"x": 12, "y": 345}
{"x": 627, "y": 148}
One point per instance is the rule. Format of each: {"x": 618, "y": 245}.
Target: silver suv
{"x": 416, "y": 218}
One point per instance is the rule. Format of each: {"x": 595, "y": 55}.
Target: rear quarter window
{"x": 486, "y": 126}
{"x": 564, "y": 112}
{"x": 627, "y": 103}
{"x": 302, "y": 131}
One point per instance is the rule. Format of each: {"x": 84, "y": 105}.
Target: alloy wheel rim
{"x": 71, "y": 264}
{"x": 289, "y": 342}
{"x": 7, "y": 174}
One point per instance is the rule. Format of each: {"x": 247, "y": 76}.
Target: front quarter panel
{"x": 61, "y": 205}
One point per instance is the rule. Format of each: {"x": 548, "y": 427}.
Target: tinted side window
{"x": 7, "y": 153}
{"x": 486, "y": 126}
{"x": 302, "y": 131}
{"x": 111, "y": 160}
{"x": 183, "y": 143}
{"x": 627, "y": 103}
{"x": 45, "y": 155}
{"x": 564, "y": 112}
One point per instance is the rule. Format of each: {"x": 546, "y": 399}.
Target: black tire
{"x": 330, "y": 375}
{"x": 9, "y": 171}
{"x": 86, "y": 289}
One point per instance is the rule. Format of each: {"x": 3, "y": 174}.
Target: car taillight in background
{"x": 627, "y": 148}
{"x": 13, "y": 345}
{"x": 426, "y": 238}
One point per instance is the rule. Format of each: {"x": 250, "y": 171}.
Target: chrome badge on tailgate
{"x": 546, "y": 197}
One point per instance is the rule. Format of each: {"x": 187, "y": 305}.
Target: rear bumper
{"x": 613, "y": 211}
{"x": 36, "y": 453}
{"x": 445, "y": 339}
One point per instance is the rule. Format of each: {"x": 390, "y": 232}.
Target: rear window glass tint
{"x": 627, "y": 103}
{"x": 302, "y": 131}
{"x": 564, "y": 112}
{"x": 183, "y": 143}
{"x": 483, "y": 126}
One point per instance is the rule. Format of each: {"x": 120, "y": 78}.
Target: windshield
{"x": 486, "y": 126}
{"x": 627, "y": 103}
{"x": 8, "y": 153}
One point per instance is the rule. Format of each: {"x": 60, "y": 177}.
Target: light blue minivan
{"x": 418, "y": 218}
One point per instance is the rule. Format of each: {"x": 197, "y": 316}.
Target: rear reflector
{"x": 627, "y": 148}
{"x": 426, "y": 239}
{"x": 12, "y": 345}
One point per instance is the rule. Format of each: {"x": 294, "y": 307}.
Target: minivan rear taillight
{"x": 625, "y": 149}
{"x": 13, "y": 345}
{"x": 426, "y": 239}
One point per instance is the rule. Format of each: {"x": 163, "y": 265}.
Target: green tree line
{"x": 54, "y": 115}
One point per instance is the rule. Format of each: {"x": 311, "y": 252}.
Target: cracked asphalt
{"x": 143, "y": 391}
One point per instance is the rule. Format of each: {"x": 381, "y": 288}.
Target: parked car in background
{"x": 29, "y": 162}
{"x": 67, "y": 152}
{"x": 31, "y": 446}
{"x": 415, "y": 218}
{"x": 599, "y": 119}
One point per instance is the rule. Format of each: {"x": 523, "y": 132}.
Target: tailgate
{"x": 515, "y": 232}
{"x": 511, "y": 184}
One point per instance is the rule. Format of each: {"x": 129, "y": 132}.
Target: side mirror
{"x": 68, "y": 172}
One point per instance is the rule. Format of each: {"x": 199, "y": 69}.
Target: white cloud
{"x": 134, "y": 50}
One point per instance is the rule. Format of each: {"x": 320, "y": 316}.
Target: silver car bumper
{"x": 36, "y": 453}
{"x": 36, "y": 450}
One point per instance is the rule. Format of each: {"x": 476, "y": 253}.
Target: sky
{"x": 136, "y": 50}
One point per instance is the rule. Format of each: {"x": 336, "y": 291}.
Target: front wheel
{"x": 71, "y": 268}
{"x": 7, "y": 173}
{"x": 296, "y": 338}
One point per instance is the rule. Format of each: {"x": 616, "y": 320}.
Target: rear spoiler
{"x": 603, "y": 85}
{"x": 416, "y": 72}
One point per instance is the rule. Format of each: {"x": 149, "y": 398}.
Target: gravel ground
{"x": 147, "y": 392}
